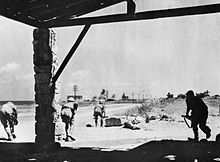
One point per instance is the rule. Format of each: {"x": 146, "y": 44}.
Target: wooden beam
{"x": 71, "y": 52}
{"x": 71, "y": 10}
{"x": 48, "y": 7}
{"x": 155, "y": 14}
{"x": 102, "y": 4}
{"x": 23, "y": 19}
{"x": 32, "y": 12}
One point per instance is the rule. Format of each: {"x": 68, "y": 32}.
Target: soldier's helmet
{"x": 71, "y": 99}
{"x": 11, "y": 105}
{"x": 190, "y": 93}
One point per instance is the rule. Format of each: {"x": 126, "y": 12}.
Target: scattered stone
{"x": 153, "y": 118}
{"x": 129, "y": 125}
{"x": 166, "y": 118}
{"x": 113, "y": 121}
{"x": 88, "y": 125}
{"x": 180, "y": 121}
{"x": 163, "y": 117}
{"x": 135, "y": 121}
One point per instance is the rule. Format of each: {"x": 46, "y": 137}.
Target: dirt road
{"x": 84, "y": 136}
{"x": 113, "y": 138}
{"x": 118, "y": 138}
{"x": 103, "y": 137}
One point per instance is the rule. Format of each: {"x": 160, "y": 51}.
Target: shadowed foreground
{"x": 165, "y": 150}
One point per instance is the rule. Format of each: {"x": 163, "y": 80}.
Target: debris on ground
{"x": 166, "y": 117}
{"x": 88, "y": 125}
{"x": 153, "y": 118}
{"x": 135, "y": 119}
{"x": 129, "y": 125}
{"x": 112, "y": 121}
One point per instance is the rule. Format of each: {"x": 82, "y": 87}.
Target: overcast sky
{"x": 153, "y": 57}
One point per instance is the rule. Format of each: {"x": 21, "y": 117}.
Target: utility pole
{"x": 106, "y": 94}
{"x": 75, "y": 89}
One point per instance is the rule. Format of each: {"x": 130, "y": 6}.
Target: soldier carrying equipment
{"x": 99, "y": 111}
{"x": 199, "y": 115}
{"x": 8, "y": 117}
{"x": 67, "y": 115}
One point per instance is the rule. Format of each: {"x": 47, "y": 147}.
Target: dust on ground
{"x": 158, "y": 140}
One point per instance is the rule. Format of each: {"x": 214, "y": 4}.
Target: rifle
{"x": 187, "y": 117}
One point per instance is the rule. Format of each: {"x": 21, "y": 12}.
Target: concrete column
{"x": 45, "y": 65}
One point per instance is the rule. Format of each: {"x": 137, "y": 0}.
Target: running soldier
{"x": 199, "y": 115}
{"x": 68, "y": 112}
{"x": 8, "y": 117}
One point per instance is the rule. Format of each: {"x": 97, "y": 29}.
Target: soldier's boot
{"x": 193, "y": 139}
{"x": 67, "y": 138}
{"x": 13, "y": 132}
{"x": 208, "y": 134}
{"x": 96, "y": 122}
{"x": 13, "y": 135}
{"x": 206, "y": 130}
{"x": 101, "y": 122}
{"x": 70, "y": 138}
{"x": 196, "y": 136}
{"x": 8, "y": 131}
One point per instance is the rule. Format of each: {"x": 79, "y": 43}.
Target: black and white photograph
{"x": 109, "y": 80}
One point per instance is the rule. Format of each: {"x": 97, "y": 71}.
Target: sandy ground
{"x": 114, "y": 138}
{"x": 157, "y": 141}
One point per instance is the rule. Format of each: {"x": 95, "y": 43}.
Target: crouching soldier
{"x": 199, "y": 115}
{"x": 8, "y": 117}
{"x": 99, "y": 111}
{"x": 67, "y": 115}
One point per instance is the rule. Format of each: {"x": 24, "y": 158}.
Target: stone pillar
{"x": 45, "y": 65}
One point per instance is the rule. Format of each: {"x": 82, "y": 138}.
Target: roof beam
{"x": 155, "y": 14}
{"x": 23, "y": 19}
{"x": 48, "y": 6}
{"x": 75, "y": 10}
{"x": 71, "y": 52}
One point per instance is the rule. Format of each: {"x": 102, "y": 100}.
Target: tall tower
{"x": 75, "y": 89}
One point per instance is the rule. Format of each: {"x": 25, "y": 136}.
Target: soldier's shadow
{"x": 153, "y": 151}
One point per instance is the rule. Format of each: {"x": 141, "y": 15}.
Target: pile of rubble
{"x": 131, "y": 122}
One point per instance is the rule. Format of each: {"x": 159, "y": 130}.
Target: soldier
{"x": 199, "y": 114}
{"x": 8, "y": 117}
{"x": 99, "y": 111}
{"x": 67, "y": 115}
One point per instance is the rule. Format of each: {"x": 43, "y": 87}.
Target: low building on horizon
{"x": 76, "y": 97}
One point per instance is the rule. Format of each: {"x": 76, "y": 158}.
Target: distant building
{"x": 76, "y": 97}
